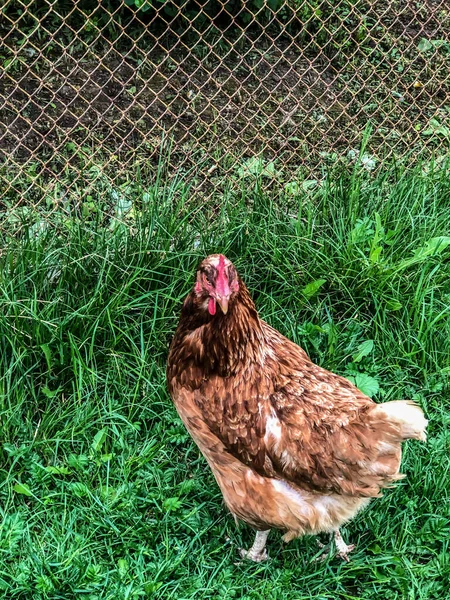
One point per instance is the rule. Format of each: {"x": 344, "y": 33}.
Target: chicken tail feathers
{"x": 407, "y": 414}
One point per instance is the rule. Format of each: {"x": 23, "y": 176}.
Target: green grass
{"x": 102, "y": 492}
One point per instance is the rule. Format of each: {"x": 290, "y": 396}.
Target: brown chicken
{"x": 291, "y": 445}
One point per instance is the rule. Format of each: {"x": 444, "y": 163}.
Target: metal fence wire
{"x": 92, "y": 94}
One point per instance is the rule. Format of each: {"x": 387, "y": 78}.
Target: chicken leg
{"x": 343, "y": 549}
{"x": 257, "y": 552}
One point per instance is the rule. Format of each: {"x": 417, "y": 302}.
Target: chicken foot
{"x": 342, "y": 548}
{"x": 257, "y": 552}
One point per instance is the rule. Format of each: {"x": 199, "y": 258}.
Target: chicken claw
{"x": 343, "y": 549}
{"x": 255, "y": 557}
{"x": 257, "y": 552}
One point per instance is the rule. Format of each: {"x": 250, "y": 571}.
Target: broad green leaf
{"x": 123, "y": 205}
{"x": 436, "y": 128}
{"x": 312, "y": 288}
{"x": 99, "y": 440}
{"x": 274, "y": 4}
{"x": 251, "y": 166}
{"x": 50, "y": 393}
{"x": 368, "y": 162}
{"x": 21, "y": 488}
{"x": 79, "y": 489}
{"x": 256, "y": 165}
{"x": 393, "y": 305}
{"x": 171, "y": 11}
{"x": 108, "y": 492}
{"x": 433, "y": 246}
{"x": 48, "y": 355}
{"x": 122, "y": 565}
{"x": 424, "y": 45}
{"x": 57, "y": 470}
{"x": 78, "y": 461}
{"x": 363, "y": 350}
{"x": 365, "y": 383}
{"x": 292, "y": 187}
{"x": 172, "y": 504}
{"x": 374, "y": 256}
{"x": 362, "y": 231}
{"x": 309, "y": 184}
{"x": 152, "y": 586}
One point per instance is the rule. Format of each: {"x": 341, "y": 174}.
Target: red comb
{"x": 222, "y": 286}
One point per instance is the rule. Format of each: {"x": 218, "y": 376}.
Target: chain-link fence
{"x": 94, "y": 93}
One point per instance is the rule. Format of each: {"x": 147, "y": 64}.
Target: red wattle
{"x": 212, "y": 306}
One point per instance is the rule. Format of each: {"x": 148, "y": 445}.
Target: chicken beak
{"x": 223, "y": 303}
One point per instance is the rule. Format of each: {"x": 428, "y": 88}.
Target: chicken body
{"x": 292, "y": 446}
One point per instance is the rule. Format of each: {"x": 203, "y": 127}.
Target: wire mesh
{"x": 93, "y": 93}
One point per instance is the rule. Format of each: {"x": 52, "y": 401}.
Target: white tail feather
{"x": 407, "y": 414}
